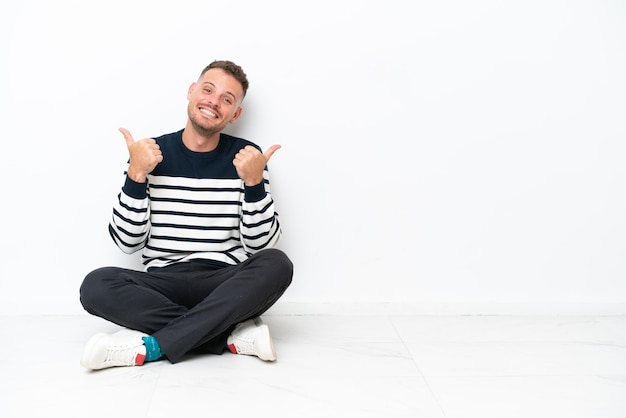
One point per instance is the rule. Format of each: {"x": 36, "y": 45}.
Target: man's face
{"x": 214, "y": 101}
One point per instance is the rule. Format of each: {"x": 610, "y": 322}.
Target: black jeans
{"x": 191, "y": 306}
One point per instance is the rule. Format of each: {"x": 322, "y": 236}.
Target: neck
{"x": 198, "y": 141}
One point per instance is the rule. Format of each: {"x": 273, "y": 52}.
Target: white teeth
{"x": 208, "y": 112}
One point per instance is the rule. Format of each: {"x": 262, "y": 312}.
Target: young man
{"x": 197, "y": 202}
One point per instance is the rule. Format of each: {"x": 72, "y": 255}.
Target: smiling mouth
{"x": 207, "y": 112}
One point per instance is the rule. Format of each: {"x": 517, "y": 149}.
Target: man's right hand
{"x": 144, "y": 156}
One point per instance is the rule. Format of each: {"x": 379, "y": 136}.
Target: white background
{"x": 438, "y": 156}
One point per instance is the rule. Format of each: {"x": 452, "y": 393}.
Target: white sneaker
{"x": 252, "y": 337}
{"x": 123, "y": 348}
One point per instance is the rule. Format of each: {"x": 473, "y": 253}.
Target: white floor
{"x": 334, "y": 366}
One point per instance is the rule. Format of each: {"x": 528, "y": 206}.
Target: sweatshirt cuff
{"x": 254, "y": 193}
{"x": 134, "y": 189}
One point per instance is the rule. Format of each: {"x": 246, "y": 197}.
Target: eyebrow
{"x": 214, "y": 86}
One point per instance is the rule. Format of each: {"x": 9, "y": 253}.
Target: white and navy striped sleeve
{"x": 130, "y": 223}
{"x": 260, "y": 226}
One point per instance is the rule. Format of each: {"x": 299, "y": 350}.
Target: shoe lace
{"x": 121, "y": 354}
{"x": 244, "y": 344}
{"x": 244, "y": 340}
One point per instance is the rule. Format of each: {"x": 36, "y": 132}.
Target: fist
{"x": 145, "y": 155}
{"x": 250, "y": 163}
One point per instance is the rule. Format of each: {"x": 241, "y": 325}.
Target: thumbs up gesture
{"x": 250, "y": 163}
{"x": 144, "y": 156}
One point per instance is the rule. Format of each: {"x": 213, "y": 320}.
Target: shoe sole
{"x": 267, "y": 352}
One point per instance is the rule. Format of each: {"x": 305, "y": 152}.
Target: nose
{"x": 214, "y": 102}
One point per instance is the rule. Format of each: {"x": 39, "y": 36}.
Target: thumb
{"x": 270, "y": 151}
{"x": 127, "y": 136}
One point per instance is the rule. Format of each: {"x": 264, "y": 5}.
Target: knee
{"x": 93, "y": 289}
{"x": 281, "y": 265}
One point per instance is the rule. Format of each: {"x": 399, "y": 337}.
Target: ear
{"x": 190, "y": 91}
{"x": 236, "y": 115}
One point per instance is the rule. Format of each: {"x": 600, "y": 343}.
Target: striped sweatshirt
{"x": 194, "y": 206}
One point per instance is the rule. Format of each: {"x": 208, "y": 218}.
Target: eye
{"x": 228, "y": 100}
{"x": 207, "y": 91}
